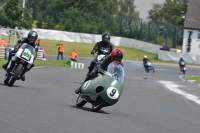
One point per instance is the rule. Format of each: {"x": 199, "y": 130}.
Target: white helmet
{"x": 145, "y": 56}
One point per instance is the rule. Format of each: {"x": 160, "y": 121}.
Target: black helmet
{"x": 32, "y": 36}
{"x": 106, "y": 37}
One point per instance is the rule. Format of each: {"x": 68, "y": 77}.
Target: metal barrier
{"x": 4, "y": 53}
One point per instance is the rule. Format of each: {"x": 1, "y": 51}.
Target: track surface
{"x": 157, "y": 102}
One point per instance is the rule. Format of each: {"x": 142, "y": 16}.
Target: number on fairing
{"x": 86, "y": 84}
{"x": 112, "y": 93}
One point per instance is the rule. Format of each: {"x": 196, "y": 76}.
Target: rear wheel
{"x": 14, "y": 77}
{"x": 80, "y": 102}
{"x": 98, "y": 105}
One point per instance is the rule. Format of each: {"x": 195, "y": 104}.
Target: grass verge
{"x": 194, "y": 77}
{"x": 61, "y": 63}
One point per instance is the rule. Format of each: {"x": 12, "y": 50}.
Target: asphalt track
{"x": 157, "y": 102}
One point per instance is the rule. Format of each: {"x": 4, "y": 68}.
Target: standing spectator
{"x": 73, "y": 55}
{"x": 3, "y": 43}
{"x": 38, "y": 42}
{"x": 60, "y": 50}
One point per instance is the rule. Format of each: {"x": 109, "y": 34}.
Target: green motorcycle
{"x": 104, "y": 90}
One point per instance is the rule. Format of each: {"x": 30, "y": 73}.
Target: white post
{"x": 23, "y": 5}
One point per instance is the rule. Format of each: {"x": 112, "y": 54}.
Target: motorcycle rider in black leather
{"x": 31, "y": 39}
{"x": 116, "y": 54}
{"x": 102, "y": 47}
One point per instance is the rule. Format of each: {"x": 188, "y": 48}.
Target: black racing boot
{"x": 77, "y": 91}
{"x": 94, "y": 73}
{"x": 5, "y": 66}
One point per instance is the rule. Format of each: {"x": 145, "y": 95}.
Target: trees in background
{"x": 118, "y": 17}
{"x": 13, "y": 15}
{"x": 169, "y": 13}
{"x": 115, "y": 16}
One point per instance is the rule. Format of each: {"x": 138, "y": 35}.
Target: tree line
{"x": 118, "y": 17}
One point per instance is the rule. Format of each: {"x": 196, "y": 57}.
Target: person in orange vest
{"x": 60, "y": 50}
{"x": 73, "y": 55}
{"x": 3, "y": 43}
{"x": 38, "y": 42}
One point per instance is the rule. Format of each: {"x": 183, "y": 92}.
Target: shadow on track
{"x": 88, "y": 109}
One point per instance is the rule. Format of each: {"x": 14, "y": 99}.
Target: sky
{"x": 143, "y": 6}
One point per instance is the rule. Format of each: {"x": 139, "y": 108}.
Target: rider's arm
{"x": 95, "y": 48}
{"x": 19, "y": 43}
{"x": 111, "y": 47}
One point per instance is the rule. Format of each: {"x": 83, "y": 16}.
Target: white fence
{"x": 173, "y": 56}
{"x": 2, "y": 53}
{"x": 117, "y": 41}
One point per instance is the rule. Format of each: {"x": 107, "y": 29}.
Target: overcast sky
{"x": 143, "y": 6}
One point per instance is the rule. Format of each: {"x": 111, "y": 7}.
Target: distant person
{"x": 3, "y": 43}
{"x": 60, "y": 50}
{"x": 38, "y": 42}
{"x": 73, "y": 55}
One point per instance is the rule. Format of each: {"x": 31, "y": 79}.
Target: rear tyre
{"x": 98, "y": 105}
{"x": 80, "y": 102}
{"x": 14, "y": 77}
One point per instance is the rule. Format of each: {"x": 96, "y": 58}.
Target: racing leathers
{"x": 100, "y": 47}
{"x": 16, "y": 48}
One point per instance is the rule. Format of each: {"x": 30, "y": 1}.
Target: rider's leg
{"x": 11, "y": 53}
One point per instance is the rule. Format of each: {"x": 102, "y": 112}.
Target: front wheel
{"x": 80, "y": 102}
{"x": 183, "y": 71}
{"x": 6, "y": 79}
{"x": 16, "y": 75}
{"x": 98, "y": 105}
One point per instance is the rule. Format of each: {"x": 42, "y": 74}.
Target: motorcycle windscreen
{"x": 117, "y": 72}
{"x": 28, "y": 51}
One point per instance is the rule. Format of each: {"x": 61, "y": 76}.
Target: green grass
{"x": 61, "y": 63}
{"x": 84, "y": 50}
{"x": 194, "y": 77}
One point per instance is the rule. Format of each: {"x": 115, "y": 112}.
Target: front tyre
{"x": 98, "y": 105}
{"x": 14, "y": 77}
{"x": 80, "y": 102}
{"x": 183, "y": 71}
{"x": 6, "y": 79}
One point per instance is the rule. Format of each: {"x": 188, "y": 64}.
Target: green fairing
{"x": 104, "y": 81}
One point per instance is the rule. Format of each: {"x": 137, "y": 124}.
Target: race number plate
{"x": 26, "y": 54}
{"x": 112, "y": 93}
